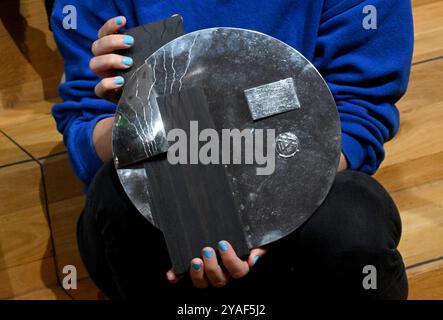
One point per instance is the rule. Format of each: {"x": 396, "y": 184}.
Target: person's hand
{"x": 343, "y": 165}
{"x": 105, "y": 62}
{"x": 208, "y": 270}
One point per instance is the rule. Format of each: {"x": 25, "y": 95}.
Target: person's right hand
{"x": 105, "y": 62}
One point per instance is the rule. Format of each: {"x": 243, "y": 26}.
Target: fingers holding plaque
{"x": 254, "y": 87}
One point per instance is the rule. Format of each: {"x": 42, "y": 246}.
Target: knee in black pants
{"x": 358, "y": 225}
{"x": 122, "y": 251}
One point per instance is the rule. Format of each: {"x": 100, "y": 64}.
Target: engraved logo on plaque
{"x": 287, "y": 144}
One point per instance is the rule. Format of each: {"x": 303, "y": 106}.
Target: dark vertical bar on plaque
{"x": 149, "y": 38}
{"x": 192, "y": 203}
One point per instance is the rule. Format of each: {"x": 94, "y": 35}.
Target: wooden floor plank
{"x": 61, "y": 182}
{"x": 31, "y": 63}
{"x": 421, "y": 210}
{"x": 65, "y": 203}
{"x": 416, "y": 3}
{"x": 414, "y": 156}
{"x": 24, "y": 228}
{"x": 10, "y": 153}
{"x": 428, "y": 31}
{"x": 26, "y": 278}
{"x": 21, "y": 187}
{"x": 55, "y": 293}
{"x": 38, "y": 137}
{"x": 64, "y": 215}
{"x": 25, "y": 237}
{"x": 421, "y": 103}
{"x": 423, "y": 88}
{"x": 411, "y": 173}
{"x": 420, "y": 134}
{"x": 26, "y": 112}
{"x": 426, "y": 281}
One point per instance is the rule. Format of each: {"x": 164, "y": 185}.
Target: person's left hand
{"x": 208, "y": 271}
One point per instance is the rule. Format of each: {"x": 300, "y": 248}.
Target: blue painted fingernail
{"x": 128, "y": 40}
{"x": 119, "y": 20}
{"x": 127, "y": 61}
{"x": 207, "y": 253}
{"x": 119, "y": 80}
{"x": 196, "y": 266}
{"x": 254, "y": 261}
{"x": 223, "y": 246}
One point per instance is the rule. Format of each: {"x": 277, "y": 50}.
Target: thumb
{"x": 255, "y": 254}
{"x": 172, "y": 277}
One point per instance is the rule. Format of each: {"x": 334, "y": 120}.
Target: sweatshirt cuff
{"x": 354, "y": 152}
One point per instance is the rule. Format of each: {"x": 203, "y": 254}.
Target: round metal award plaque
{"x": 252, "y": 81}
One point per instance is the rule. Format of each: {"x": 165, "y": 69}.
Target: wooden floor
{"x": 40, "y": 197}
{"x": 413, "y": 169}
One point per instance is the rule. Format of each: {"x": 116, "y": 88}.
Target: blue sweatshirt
{"x": 366, "y": 70}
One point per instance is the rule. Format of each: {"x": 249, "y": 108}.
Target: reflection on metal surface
{"x": 272, "y": 98}
{"x": 287, "y": 145}
{"x": 225, "y": 62}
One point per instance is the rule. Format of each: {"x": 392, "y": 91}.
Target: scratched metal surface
{"x": 226, "y": 62}
{"x": 272, "y": 98}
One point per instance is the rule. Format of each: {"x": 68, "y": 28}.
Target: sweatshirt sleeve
{"x": 81, "y": 109}
{"x": 367, "y": 72}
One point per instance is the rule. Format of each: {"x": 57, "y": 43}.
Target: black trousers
{"x": 358, "y": 225}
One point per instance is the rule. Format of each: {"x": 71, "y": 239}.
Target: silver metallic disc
{"x": 228, "y": 63}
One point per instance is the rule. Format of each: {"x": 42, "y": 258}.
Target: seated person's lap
{"x": 357, "y": 225}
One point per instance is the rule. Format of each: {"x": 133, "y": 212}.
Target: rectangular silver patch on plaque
{"x": 272, "y": 98}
